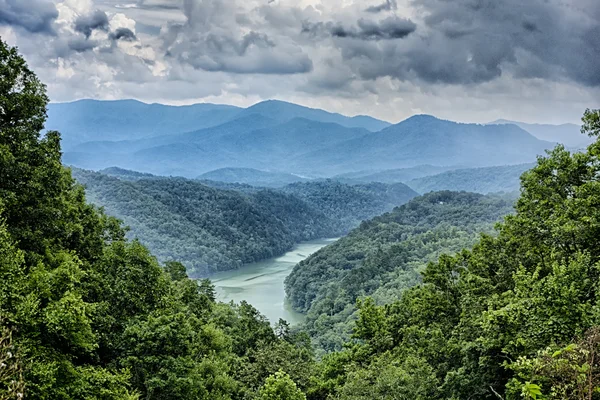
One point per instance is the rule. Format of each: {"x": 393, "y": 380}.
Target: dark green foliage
{"x": 384, "y": 256}
{"x": 211, "y": 228}
{"x": 349, "y": 205}
{"x": 515, "y": 317}
{"x": 87, "y": 314}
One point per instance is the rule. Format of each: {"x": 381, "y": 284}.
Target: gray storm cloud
{"x": 87, "y": 23}
{"x": 122, "y": 34}
{"x": 365, "y": 29}
{"x": 389, "y": 5}
{"x": 35, "y": 16}
{"x": 211, "y": 40}
{"x": 334, "y": 49}
{"x": 470, "y": 42}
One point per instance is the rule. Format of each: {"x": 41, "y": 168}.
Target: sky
{"x": 463, "y": 60}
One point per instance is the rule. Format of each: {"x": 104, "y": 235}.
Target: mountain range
{"x": 277, "y": 137}
{"x": 567, "y": 134}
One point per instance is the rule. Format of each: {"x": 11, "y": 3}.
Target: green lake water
{"x": 261, "y": 283}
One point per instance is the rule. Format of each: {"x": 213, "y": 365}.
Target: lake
{"x": 261, "y": 283}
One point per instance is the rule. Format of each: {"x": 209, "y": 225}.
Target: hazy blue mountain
{"x": 307, "y": 147}
{"x": 424, "y": 139}
{"x": 479, "y": 180}
{"x": 239, "y": 125}
{"x": 284, "y": 111}
{"x": 392, "y": 175}
{"x": 251, "y": 176}
{"x": 567, "y": 134}
{"x": 294, "y": 137}
{"x": 235, "y": 143}
{"x": 96, "y": 120}
{"x": 91, "y": 120}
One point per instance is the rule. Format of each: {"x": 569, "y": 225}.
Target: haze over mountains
{"x": 567, "y": 134}
{"x": 281, "y": 138}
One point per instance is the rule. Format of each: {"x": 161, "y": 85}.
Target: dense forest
{"x": 385, "y": 256}
{"x": 214, "y": 228}
{"x": 514, "y": 317}
{"x": 87, "y": 314}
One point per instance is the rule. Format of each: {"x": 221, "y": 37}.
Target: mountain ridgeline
{"x": 212, "y": 229}
{"x": 275, "y": 136}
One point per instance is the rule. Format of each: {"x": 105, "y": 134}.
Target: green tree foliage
{"x": 385, "y": 256}
{"x": 91, "y": 315}
{"x": 210, "y": 229}
{"x": 280, "y": 387}
{"x": 482, "y": 320}
{"x": 570, "y": 372}
{"x": 11, "y": 373}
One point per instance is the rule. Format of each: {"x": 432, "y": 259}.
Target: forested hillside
{"x": 385, "y": 256}
{"x": 351, "y": 204}
{"x": 252, "y": 177}
{"x": 87, "y": 314}
{"x": 211, "y": 229}
{"x": 514, "y": 317}
{"x": 392, "y": 175}
{"x": 479, "y": 180}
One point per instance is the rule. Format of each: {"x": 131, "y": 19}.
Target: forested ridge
{"x": 87, "y": 314}
{"x": 210, "y": 229}
{"x": 385, "y": 256}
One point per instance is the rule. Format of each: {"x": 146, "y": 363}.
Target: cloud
{"x": 80, "y": 45}
{"x": 389, "y": 5}
{"x": 534, "y": 38}
{"x": 214, "y": 39}
{"x": 389, "y": 58}
{"x": 35, "y": 16}
{"x": 123, "y": 34}
{"x": 466, "y": 42}
{"x": 365, "y": 29}
{"x": 87, "y": 23}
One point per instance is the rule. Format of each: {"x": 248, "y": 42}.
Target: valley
{"x": 261, "y": 283}
{"x": 278, "y": 200}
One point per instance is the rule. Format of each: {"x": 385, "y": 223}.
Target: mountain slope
{"x": 98, "y": 120}
{"x": 211, "y": 229}
{"x": 251, "y": 176}
{"x": 255, "y": 138}
{"x": 284, "y": 111}
{"x": 351, "y": 204}
{"x": 392, "y": 175}
{"x": 91, "y": 120}
{"x": 567, "y": 134}
{"x": 425, "y": 139}
{"x": 478, "y": 180}
{"x": 206, "y": 228}
{"x": 383, "y": 257}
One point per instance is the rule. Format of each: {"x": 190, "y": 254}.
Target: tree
{"x": 12, "y": 385}
{"x": 280, "y": 387}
